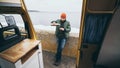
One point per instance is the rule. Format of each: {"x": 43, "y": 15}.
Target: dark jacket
{"x": 66, "y": 26}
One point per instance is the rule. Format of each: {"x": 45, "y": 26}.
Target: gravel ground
{"x": 49, "y": 58}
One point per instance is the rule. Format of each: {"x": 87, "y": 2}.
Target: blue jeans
{"x": 61, "y": 44}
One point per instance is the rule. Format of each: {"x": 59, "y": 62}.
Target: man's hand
{"x": 54, "y": 24}
{"x": 62, "y": 29}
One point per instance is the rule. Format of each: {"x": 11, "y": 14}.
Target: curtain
{"x": 95, "y": 25}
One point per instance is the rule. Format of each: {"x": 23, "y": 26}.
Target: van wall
{"x": 110, "y": 50}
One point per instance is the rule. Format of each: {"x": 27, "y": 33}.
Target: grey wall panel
{"x": 110, "y": 51}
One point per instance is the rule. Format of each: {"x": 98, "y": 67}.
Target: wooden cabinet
{"x": 32, "y": 62}
{"x": 26, "y": 54}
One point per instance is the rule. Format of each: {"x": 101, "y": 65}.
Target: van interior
{"x": 28, "y": 41}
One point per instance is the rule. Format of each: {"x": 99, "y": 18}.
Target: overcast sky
{"x": 54, "y": 5}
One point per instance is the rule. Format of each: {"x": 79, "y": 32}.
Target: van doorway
{"x": 42, "y": 12}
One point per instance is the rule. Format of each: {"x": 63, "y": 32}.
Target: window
{"x": 10, "y": 20}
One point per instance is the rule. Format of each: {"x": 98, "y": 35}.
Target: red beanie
{"x": 63, "y": 15}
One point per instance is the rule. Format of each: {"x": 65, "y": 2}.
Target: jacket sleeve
{"x": 68, "y": 28}
{"x": 56, "y": 21}
{"x": 53, "y": 21}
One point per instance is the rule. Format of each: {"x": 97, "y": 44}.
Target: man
{"x": 62, "y": 33}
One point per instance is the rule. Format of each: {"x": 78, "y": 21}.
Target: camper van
{"x": 28, "y": 41}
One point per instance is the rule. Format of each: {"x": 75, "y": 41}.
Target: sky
{"x": 54, "y": 5}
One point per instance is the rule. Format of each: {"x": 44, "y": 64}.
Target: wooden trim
{"x": 81, "y": 32}
{"x": 28, "y": 21}
{"x": 23, "y": 34}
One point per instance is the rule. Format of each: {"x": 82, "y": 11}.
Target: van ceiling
{"x": 102, "y": 5}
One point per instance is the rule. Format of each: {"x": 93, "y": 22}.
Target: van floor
{"x": 49, "y": 58}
